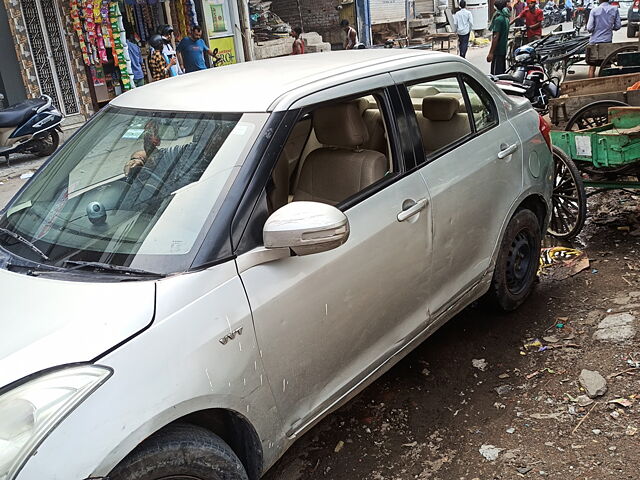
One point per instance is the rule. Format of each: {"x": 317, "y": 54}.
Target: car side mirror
{"x": 306, "y": 228}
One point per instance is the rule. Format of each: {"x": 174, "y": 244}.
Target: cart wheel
{"x": 592, "y": 115}
{"x": 611, "y": 60}
{"x": 569, "y": 199}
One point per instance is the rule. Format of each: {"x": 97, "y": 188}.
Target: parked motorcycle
{"x": 31, "y": 126}
{"x": 581, "y": 14}
{"x": 527, "y": 78}
{"x": 552, "y": 15}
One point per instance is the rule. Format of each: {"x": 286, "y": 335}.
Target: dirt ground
{"x": 430, "y": 416}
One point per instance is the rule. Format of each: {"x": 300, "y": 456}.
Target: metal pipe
{"x": 300, "y": 15}
{"x": 407, "y": 13}
{"x": 245, "y": 25}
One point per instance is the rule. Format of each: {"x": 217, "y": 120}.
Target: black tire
{"x": 517, "y": 262}
{"x": 178, "y": 452}
{"x": 592, "y": 115}
{"x": 631, "y": 30}
{"x": 46, "y": 145}
{"x": 569, "y": 199}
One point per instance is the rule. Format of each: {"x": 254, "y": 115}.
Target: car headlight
{"x": 30, "y": 411}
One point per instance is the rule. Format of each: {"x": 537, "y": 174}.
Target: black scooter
{"x": 31, "y": 126}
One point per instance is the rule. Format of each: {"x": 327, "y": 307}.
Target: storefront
{"x": 220, "y": 19}
{"x": 76, "y": 50}
{"x": 103, "y": 29}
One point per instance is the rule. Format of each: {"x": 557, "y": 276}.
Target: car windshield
{"x": 132, "y": 189}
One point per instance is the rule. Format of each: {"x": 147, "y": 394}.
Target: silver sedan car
{"x": 216, "y": 261}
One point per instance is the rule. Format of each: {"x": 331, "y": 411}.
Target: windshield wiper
{"x": 78, "y": 265}
{"x": 21, "y": 239}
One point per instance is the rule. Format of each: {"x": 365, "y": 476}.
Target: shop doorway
{"x": 48, "y": 48}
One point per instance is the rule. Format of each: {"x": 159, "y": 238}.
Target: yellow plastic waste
{"x": 549, "y": 256}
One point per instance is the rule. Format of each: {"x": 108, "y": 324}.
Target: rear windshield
{"x": 133, "y": 188}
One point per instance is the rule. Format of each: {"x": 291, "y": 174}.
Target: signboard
{"x": 226, "y": 50}
{"x": 217, "y": 18}
{"x": 387, "y": 11}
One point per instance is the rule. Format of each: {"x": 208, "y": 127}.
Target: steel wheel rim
{"x": 592, "y": 115}
{"x": 520, "y": 262}
{"x": 565, "y": 200}
{"x": 591, "y": 119}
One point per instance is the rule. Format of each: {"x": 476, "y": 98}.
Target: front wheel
{"x": 517, "y": 262}
{"x": 180, "y": 452}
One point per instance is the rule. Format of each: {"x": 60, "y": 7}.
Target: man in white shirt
{"x": 463, "y": 21}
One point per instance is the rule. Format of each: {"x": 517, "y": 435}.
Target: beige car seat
{"x": 333, "y": 173}
{"x": 441, "y": 123}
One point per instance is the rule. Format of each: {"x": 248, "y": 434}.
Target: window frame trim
{"x": 403, "y": 89}
{"x": 492, "y": 104}
{"x": 255, "y": 189}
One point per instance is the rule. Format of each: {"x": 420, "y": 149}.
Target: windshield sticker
{"x": 240, "y": 130}
{"x": 133, "y": 133}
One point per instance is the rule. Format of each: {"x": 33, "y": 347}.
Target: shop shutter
{"x": 387, "y": 11}
{"x": 425, "y": 7}
{"x": 44, "y": 30}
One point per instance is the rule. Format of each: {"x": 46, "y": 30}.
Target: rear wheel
{"x": 517, "y": 262}
{"x": 181, "y": 452}
{"x": 46, "y": 145}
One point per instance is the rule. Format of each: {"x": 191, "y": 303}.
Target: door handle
{"x": 412, "y": 210}
{"x": 507, "y": 150}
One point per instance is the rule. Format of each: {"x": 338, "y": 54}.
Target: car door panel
{"x": 472, "y": 190}
{"x": 324, "y": 320}
{"x": 328, "y": 321}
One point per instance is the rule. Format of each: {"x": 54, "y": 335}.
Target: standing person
{"x": 533, "y": 17}
{"x": 463, "y": 21}
{"x": 159, "y": 65}
{"x": 603, "y": 20}
{"x": 516, "y": 9}
{"x": 568, "y": 8}
{"x": 136, "y": 61}
{"x": 351, "y": 36}
{"x": 191, "y": 51}
{"x": 298, "y": 44}
{"x": 167, "y": 49}
{"x": 500, "y": 27}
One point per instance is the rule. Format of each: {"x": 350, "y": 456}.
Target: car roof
{"x": 256, "y": 86}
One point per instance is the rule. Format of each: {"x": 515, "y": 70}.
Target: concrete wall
{"x": 317, "y": 16}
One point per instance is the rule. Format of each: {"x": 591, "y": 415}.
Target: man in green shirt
{"x": 500, "y": 28}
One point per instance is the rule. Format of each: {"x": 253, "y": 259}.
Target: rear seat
{"x": 441, "y": 122}
{"x": 373, "y": 120}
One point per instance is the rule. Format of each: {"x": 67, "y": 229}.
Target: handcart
{"x": 607, "y": 154}
{"x": 605, "y": 55}
{"x": 584, "y": 103}
{"x": 560, "y": 50}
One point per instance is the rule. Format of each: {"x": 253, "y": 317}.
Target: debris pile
{"x": 265, "y": 24}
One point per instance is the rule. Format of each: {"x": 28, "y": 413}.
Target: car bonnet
{"x": 46, "y": 323}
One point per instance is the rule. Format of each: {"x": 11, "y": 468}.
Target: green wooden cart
{"x": 604, "y": 157}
